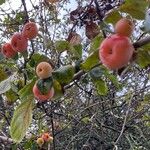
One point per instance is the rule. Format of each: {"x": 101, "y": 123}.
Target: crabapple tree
{"x": 75, "y": 74}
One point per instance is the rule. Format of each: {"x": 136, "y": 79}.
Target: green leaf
{"x": 135, "y": 8}
{"x": 101, "y": 87}
{"x": 86, "y": 120}
{"x": 3, "y": 74}
{"x": 143, "y": 58}
{"x": 27, "y": 90}
{"x": 2, "y": 1}
{"x": 114, "y": 80}
{"x": 76, "y": 51}
{"x": 37, "y": 58}
{"x": 95, "y": 43}
{"x": 96, "y": 73}
{"x": 58, "y": 89}
{"x": 147, "y": 97}
{"x": 20, "y": 17}
{"x": 113, "y": 17}
{"x": 6, "y": 84}
{"x": 44, "y": 85}
{"x": 11, "y": 96}
{"x": 111, "y": 77}
{"x": 30, "y": 145}
{"x": 17, "y": 85}
{"x": 62, "y": 45}
{"x": 91, "y": 61}
{"x": 21, "y": 120}
{"x": 64, "y": 74}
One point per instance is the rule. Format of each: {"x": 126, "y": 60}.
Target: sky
{"x": 17, "y": 3}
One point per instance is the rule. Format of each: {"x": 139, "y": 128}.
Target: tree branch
{"x": 100, "y": 16}
{"x": 6, "y": 139}
{"x": 136, "y": 45}
{"x": 25, "y": 9}
{"x": 141, "y": 42}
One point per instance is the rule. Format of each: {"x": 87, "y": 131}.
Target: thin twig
{"x": 53, "y": 130}
{"x": 25, "y": 9}
{"x": 141, "y": 42}
{"x": 125, "y": 121}
{"x": 100, "y": 16}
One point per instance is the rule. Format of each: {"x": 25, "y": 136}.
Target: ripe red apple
{"x": 30, "y": 30}
{"x": 8, "y": 51}
{"x": 116, "y": 51}
{"x": 42, "y": 97}
{"x": 19, "y": 43}
{"x": 124, "y": 27}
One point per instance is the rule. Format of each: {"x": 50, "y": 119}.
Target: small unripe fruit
{"x": 46, "y": 137}
{"x": 124, "y": 27}
{"x": 40, "y": 141}
{"x": 30, "y": 30}
{"x": 116, "y": 51}
{"x": 44, "y": 70}
{"x": 8, "y": 51}
{"x": 19, "y": 43}
{"x": 42, "y": 97}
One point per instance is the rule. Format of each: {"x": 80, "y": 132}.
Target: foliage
{"x": 92, "y": 106}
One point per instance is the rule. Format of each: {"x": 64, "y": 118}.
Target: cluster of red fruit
{"x": 19, "y": 41}
{"x": 43, "y": 89}
{"x": 116, "y": 50}
{"x": 45, "y": 137}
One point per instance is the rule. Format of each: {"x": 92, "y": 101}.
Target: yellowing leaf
{"x": 21, "y": 120}
{"x": 58, "y": 89}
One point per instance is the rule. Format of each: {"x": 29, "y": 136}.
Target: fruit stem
{"x": 52, "y": 122}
